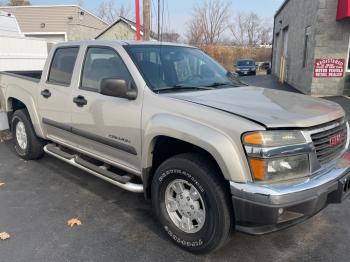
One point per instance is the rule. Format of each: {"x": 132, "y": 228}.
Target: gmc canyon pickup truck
{"x": 166, "y": 120}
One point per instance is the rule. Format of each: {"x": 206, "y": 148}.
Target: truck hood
{"x": 271, "y": 108}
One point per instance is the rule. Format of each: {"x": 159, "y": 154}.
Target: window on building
{"x": 102, "y": 63}
{"x": 306, "y": 45}
{"x": 62, "y": 66}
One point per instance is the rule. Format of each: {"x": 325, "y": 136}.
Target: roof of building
{"x": 52, "y": 6}
{"x": 131, "y": 23}
{"x": 31, "y": 16}
{"x": 282, "y": 6}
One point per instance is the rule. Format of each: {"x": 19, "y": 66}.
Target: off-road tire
{"x": 35, "y": 145}
{"x": 202, "y": 174}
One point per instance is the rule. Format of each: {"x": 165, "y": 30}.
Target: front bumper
{"x": 245, "y": 72}
{"x": 261, "y": 209}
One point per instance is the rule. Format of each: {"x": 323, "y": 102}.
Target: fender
{"x": 23, "y": 95}
{"x": 227, "y": 154}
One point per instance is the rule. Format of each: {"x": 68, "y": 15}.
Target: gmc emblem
{"x": 336, "y": 140}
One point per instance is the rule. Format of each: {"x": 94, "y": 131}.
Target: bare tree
{"x": 109, "y": 12}
{"x": 266, "y": 34}
{"x": 209, "y": 22}
{"x": 239, "y": 29}
{"x": 195, "y": 33}
{"x": 249, "y": 30}
{"x": 18, "y": 2}
{"x": 253, "y": 29}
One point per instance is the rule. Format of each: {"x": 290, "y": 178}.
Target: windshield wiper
{"x": 182, "y": 87}
{"x": 217, "y": 84}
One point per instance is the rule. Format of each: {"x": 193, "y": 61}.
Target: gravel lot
{"x": 38, "y": 198}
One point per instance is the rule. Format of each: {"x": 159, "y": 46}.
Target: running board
{"x": 100, "y": 172}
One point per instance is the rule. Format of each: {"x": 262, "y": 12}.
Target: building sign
{"x": 329, "y": 67}
{"x": 343, "y": 9}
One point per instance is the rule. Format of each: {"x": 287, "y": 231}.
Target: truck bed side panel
{"x": 24, "y": 89}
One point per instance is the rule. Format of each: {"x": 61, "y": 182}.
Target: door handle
{"x": 46, "y": 93}
{"x": 80, "y": 101}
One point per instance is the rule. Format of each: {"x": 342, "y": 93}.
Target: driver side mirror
{"x": 118, "y": 88}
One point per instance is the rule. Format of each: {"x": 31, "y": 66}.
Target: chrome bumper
{"x": 265, "y": 208}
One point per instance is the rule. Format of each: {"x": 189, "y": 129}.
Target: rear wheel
{"x": 191, "y": 202}
{"x": 27, "y": 144}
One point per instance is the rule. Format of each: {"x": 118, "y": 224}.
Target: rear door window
{"x": 62, "y": 66}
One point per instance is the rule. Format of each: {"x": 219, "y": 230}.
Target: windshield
{"x": 245, "y": 63}
{"x": 173, "y": 68}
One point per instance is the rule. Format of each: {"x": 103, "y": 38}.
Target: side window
{"x": 62, "y": 65}
{"x": 102, "y": 63}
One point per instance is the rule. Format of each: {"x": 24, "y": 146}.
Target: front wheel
{"x": 191, "y": 202}
{"x": 27, "y": 144}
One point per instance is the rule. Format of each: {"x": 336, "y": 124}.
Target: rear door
{"x": 105, "y": 126}
{"x": 54, "y": 100}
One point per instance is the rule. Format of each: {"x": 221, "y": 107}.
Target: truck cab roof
{"x": 120, "y": 42}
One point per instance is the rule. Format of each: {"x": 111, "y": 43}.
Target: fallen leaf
{"x": 4, "y": 236}
{"x": 74, "y": 222}
{"x": 5, "y": 136}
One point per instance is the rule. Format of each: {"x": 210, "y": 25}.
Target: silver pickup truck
{"x": 212, "y": 153}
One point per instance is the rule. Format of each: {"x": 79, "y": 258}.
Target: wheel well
{"x": 167, "y": 147}
{"x": 16, "y": 104}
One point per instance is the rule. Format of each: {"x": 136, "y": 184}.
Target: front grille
{"x": 325, "y": 149}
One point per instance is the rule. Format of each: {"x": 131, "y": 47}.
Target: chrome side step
{"x": 100, "y": 172}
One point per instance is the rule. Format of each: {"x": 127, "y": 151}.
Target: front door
{"x": 55, "y": 94}
{"x": 106, "y": 126}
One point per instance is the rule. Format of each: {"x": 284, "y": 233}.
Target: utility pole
{"x": 138, "y": 24}
{"x": 158, "y": 20}
{"x": 146, "y": 20}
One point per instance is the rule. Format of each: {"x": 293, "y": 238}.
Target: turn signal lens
{"x": 254, "y": 138}
{"x": 258, "y": 168}
{"x": 273, "y": 138}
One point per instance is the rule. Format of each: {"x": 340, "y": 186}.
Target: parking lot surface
{"x": 39, "y": 197}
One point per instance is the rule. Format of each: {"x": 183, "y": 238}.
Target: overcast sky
{"x": 178, "y": 12}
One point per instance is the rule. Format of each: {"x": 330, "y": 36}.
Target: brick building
{"x": 311, "y": 46}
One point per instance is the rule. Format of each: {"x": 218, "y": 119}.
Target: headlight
{"x": 238, "y": 69}
{"x": 273, "y": 138}
{"x": 280, "y": 169}
{"x": 276, "y": 156}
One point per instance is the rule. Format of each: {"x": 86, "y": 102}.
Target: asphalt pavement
{"x": 39, "y": 197}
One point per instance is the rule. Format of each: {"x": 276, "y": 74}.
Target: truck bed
{"x": 21, "y": 85}
{"x": 28, "y": 75}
